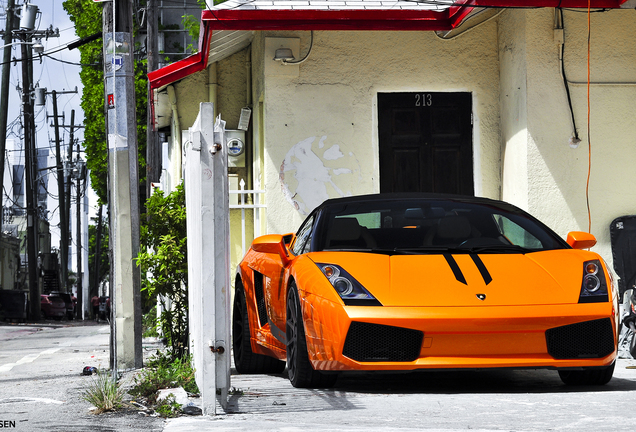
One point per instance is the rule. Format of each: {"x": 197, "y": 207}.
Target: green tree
{"x": 165, "y": 262}
{"x": 87, "y": 17}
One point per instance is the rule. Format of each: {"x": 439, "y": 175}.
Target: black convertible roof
{"x": 416, "y": 195}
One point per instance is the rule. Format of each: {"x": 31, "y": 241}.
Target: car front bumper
{"x": 343, "y": 338}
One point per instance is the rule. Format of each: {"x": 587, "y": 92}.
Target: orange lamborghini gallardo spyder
{"x": 413, "y": 281}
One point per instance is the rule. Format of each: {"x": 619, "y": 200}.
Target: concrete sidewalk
{"x": 532, "y": 400}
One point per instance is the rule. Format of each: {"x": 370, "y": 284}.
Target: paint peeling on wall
{"x": 314, "y": 171}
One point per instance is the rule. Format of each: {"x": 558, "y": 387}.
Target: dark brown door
{"x": 426, "y": 142}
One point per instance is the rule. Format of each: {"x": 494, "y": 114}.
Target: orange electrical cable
{"x": 589, "y": 140}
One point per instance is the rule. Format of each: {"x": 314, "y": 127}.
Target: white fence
{"x": 256, "y": 206}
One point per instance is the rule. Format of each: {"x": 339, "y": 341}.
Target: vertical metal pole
{"x": 4, "y": 85}
{"x": 62, "y": 197}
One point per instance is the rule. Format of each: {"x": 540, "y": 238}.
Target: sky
{"x": 52, "y": 75}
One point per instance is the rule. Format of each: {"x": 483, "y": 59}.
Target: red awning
{"x": 344, "y": 19}
{"x": 373, "y": 19}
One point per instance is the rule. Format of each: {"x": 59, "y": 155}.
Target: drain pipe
{"x": 213, "y": 87}
{"x": 177, "y": 172}
{"x": 249, "y": 152}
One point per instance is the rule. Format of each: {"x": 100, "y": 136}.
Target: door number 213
{"x": 423, "y": 99}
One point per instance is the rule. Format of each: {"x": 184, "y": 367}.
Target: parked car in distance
{"x": 52, "y": 306}
{"x": 69, "y": 301}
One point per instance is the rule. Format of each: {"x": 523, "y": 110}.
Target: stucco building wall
{"x": 321, "y": 133}
{"x": 554, "y": 182}
{"x": 513, "y": 108}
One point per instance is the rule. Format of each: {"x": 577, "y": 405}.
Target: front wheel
{"x": 301, "y": 373}
{"x": 599, "y": 376}
{"x": 245, "y": 360}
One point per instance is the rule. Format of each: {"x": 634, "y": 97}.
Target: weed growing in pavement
{"x": 168, "y": 407}
{"x": 104, "y": 393}
{"x": 164, "y": 371}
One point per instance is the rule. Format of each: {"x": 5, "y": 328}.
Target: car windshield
{"x": 419, "y": 226}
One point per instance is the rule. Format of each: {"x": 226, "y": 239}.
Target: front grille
{"x": 380, "y": 343}
{"x": 589, "y": 339}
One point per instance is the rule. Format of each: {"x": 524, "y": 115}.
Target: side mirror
{"x": 581, "y": 240}
{"x": 272, "y": 244}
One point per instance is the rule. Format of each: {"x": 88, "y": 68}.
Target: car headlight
{"x": 350, "y": 290}
{"x": 594, "y": 286}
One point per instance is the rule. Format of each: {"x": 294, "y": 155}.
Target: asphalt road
{"x": 41, "y": 382}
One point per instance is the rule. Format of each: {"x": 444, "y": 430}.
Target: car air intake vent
{"x": 589, "y": 339}
{"x": 260, "y": 298}
{"x": 380, "y": 343}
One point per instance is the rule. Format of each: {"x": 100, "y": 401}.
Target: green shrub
{"x": 168, "y": 407}
{"x": 164, "y": 265}
{"x": 150, "y": 323}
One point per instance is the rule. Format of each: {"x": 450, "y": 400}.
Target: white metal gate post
{"x": 208, "y": 228}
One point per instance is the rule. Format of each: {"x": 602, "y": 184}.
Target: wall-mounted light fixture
{"x": 286, "y": 57}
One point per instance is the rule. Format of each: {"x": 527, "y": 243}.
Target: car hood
{"x": 548, "y": 277}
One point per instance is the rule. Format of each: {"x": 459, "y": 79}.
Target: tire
{"x": 245, "y": 360}
{"x": 301, "y": 373}
{"x": 588, "y": 377}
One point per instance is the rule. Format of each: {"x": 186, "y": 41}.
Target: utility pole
{"x": 98, "y": 247}
{"x": 4, "y": 84}
{"x": 80, "y": 176}
{"x": 123, "y": 183}
{"x": 67, "y": 207}
{"x": 30, "y": 171}
{"x": 61, "y": 199}
{"x": 26, "y": 33}
{"x": 153, "y": 149}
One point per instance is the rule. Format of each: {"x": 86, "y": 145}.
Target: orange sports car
{"x": 414, "y": 281}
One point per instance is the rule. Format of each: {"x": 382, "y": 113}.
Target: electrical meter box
{"x": 235, "y": 148}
